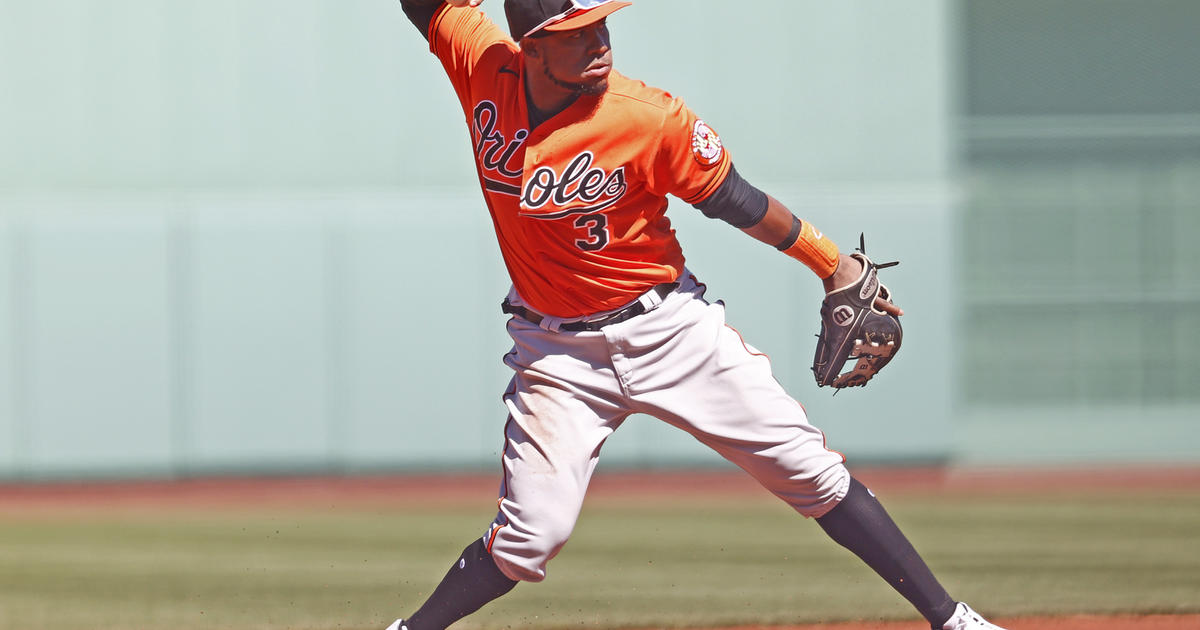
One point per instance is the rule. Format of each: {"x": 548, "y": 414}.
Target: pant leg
{"x": 684, "y": 365}
{"x": 563, "y": 403}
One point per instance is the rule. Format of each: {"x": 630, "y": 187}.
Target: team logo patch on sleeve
{"x": 706, "y": 144}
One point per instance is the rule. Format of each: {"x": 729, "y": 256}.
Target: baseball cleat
{"x": 397, "y": 625}
{"x": 966, "y": 619}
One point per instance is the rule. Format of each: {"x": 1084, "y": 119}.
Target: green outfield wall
{"x": 247, "y": 236}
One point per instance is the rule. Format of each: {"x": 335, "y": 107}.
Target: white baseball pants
{"x": 680, "y": 363}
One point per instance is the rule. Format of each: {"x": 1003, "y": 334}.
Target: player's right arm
{"x": 421, "y": 12}
{"x": 461, "y": 37}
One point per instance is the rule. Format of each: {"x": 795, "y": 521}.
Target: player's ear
{"x": 529, "y": 46}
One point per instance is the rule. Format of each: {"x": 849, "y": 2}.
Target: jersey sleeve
{"x": 691, "y": 163}
{"x": 461, "y": 38}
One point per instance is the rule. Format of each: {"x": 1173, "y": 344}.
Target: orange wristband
{"x": 810, "y": 247}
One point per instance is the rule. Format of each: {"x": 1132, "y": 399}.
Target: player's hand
{"x": 857, "y": 322}
{"x": 846, "y": 274}
{"x": 464, "y": 3}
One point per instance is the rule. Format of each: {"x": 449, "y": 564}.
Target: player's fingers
{"x": 887, "y": 307}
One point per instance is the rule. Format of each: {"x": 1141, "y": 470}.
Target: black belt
{"x": 629, "y": 312}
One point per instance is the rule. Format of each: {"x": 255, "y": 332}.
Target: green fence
{"x": 223, "y": 229}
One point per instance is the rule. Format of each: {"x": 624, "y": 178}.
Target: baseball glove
{"x": 851, "y": 328}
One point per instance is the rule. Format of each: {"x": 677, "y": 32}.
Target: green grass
{"x": 679, "y": 562}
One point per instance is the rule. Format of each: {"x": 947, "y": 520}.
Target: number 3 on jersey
{"x": 596, "y": 227}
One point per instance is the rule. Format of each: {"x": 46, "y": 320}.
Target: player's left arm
{"x": 693, "y": 164}
{"x": 765, "y": 218}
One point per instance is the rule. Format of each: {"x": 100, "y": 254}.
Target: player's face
{"x": 579, "y": 60}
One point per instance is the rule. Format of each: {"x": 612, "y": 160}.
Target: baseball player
{"x": 576, "y": 162}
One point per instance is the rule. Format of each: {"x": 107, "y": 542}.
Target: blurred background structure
{"x": 245, "y": 236}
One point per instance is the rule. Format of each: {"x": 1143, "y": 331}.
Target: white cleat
{"x": 397, "y": 625}
{"x": 966, "y": 619}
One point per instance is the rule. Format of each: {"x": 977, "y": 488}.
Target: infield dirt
{"x": 1081, "y": 622}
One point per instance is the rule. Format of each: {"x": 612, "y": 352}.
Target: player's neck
{"x": 545, "y": 98}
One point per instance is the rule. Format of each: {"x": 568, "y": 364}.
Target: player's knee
{"x": 522, "y": 550}
{"x": 815, "y": 495}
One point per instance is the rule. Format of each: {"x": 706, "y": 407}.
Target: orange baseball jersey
{"x": 579, "y": 202}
